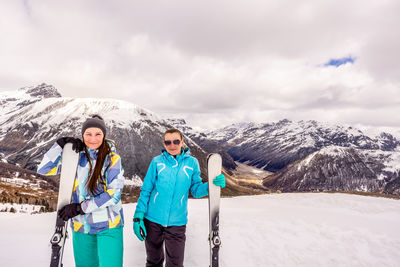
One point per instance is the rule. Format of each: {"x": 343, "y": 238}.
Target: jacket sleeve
{"x": 114, "y": 177}
{"x": 147, "y": 188}
{"x": 51, "y": 161}
{"x": 197, "y": 187}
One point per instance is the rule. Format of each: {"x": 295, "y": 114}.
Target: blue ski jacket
{"x": 103, "y": 210}
{"x": 164, "y": 194}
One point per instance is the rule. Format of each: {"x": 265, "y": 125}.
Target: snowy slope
{"x": 267, "y": 230}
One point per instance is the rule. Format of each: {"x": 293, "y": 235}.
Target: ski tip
{"x": 212, "y": 155}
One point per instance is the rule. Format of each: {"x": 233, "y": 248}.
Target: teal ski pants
{"x": 104, "y": 249}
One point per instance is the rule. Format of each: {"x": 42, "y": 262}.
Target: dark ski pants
{"x": 174, "y": 238}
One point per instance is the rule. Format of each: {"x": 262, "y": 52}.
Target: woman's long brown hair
{"x": 96, "y": 177}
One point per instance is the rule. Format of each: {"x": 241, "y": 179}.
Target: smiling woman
{"x": 96, "y": 209}
{"x": 173, "y": 142}
{"x": 161, "y": 211}
{"x": 93, "y": 137}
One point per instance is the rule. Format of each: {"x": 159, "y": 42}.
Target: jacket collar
{"x": 184, "y": 154}
{"x": 93, "y": 153}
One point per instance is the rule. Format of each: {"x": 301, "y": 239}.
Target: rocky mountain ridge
{"x": 335, "y": 168}
{"x": 302, "y": 156}
{"x": 273, "y": 146}
{"x": 366, "y": 163}
{"x": 33, "y": 118}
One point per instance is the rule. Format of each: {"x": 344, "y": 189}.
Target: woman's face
{"x": 173, "y": 143}
{"x": 93, "y": 137}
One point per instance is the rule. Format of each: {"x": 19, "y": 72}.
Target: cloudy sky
{"x": 213, "y": 62}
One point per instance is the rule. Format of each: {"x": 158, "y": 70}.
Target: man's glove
{"x": 138, "y": 226}
{"x": 219, "y": 181}
{"x": 77, "y": 144}
{"x": 69, "y": 211}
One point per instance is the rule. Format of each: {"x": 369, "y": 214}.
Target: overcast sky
{"x": 213, "y": 62}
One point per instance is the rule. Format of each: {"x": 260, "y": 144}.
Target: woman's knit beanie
{"x": 94, "y": 121}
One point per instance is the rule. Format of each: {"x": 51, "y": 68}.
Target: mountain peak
{"x": 43, "y": 90}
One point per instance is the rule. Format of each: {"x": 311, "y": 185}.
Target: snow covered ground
{"x": 24, "y": 208}
{"x": 268, "y": 230}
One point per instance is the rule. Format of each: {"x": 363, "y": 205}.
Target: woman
{"x": 161, "y": 211}
{"x": 96, "y": 209}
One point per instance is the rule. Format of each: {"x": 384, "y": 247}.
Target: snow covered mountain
{"x": 303, "y": 156}
{"x": 207, "y": 142}
{"x": 32, "y": 118}
{"x": 273, "y": 146}
{"x": 343, "y": 158}
{"x": 336, "y": 168}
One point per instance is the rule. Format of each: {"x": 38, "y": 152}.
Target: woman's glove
{"x": 138, "y": 226}
{"x": 69, "y": 211}
{"x": 219, "y": 181}
{"x": 77, "y": 144}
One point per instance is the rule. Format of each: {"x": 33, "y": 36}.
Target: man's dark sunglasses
{"x": 169, "y": 142}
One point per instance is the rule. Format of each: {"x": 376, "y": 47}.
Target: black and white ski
{"x": 214, "y": 165}
{"x": 68, "y": 171}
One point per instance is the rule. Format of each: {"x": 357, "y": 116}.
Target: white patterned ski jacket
{"x": 103, "y": 210}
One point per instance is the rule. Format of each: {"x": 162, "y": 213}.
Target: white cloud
{"x": 214, "y": 62}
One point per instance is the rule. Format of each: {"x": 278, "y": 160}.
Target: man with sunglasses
{"x": 161, "y": 210}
